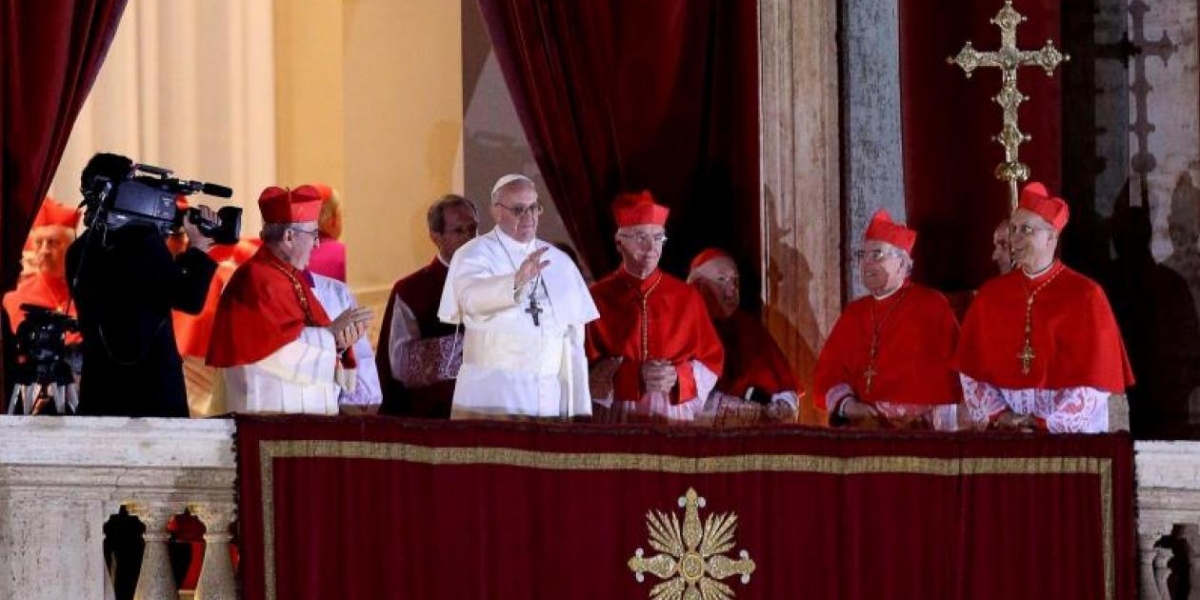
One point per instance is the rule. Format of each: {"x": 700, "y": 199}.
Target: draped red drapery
{"x": 50, "y": 53}
{"x": 621, "y": 95}
{"x": 391, "y": 508}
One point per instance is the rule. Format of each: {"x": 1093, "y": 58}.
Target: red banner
{"x": 389, "y": 508}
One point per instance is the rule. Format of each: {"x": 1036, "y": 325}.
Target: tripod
{"x": 44, "y": 388}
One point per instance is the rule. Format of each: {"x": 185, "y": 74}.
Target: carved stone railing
{"x": 61, "y": 479}
{"x": 1168, "y": 477}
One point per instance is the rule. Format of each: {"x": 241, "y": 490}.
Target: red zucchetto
{"x": 883, "y": 229}
{"x": 1036, "y": 199}
{"x": 634, "y": 209}
{"x": 280, "y": 205}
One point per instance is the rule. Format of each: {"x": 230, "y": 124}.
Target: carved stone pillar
{"x": 155, "y": 581}
{"x": 801, "y": 190}
{"x": 1153, "y": 563}
{"x": 217, "y": 580}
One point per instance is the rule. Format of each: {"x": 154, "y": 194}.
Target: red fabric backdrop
{"x": 951, "y": 194}
{"x": 387, "y": 508}
{"x": 626, "y": 94}
{"x": 50, "y": 53}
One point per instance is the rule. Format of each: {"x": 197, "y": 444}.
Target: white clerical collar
{"x": 512, "y": 244}
{"x": 445, "y": 263}
{"x": 889, "y": 294}
{"x": 1029, "y": 275}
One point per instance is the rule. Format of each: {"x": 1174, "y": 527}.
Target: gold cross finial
{"x": 1008, "y": 59}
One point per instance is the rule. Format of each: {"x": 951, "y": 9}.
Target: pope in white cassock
{"x": 523, "y": 306}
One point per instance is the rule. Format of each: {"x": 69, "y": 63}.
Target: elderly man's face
{"x": 516, "y": 211}
{"x": 50, "y": 249}
{"x": 718, "y": 283}
{"x": 641, "y": 248}
{"x": 299, "y": 241}
{"x": 882, "y": 266}
{"x": 1001, "y": 251}
{"x": 1032, "y": 240}
{"x": 459, "y": 227}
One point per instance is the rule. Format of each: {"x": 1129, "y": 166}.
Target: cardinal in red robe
{"x": 46, "y": 284}
{"x": 653, "y": 353}
{"x": 275, "y": 347}
{"x": 757, "y": 385}
{"x": 1040, "y": 347}
{"x": 888, "y": 361}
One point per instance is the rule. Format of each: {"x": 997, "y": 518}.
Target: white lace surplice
{"x": 1067, "y": 410}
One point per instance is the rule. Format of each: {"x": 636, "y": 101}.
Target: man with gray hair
{"x": 889, "y": 360}
{"x": 417, "y": 354}
{"x": 276, "y": 348}
{"x": 523, "y": 305}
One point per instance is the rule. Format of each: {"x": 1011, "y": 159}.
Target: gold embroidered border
{"x": 568, "y": 461}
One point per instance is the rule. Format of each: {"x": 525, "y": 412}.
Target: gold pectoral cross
{"x": 1026, "y": 357}
{"x": 1008, "y": 59}
{"x": 870, "y": 374}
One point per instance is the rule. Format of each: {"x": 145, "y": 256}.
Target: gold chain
{"x": 876, "y": 327}
{"x": 297, "y": 288}
{"x": 1027, "y": 354}
{"x": 645, "y": 317}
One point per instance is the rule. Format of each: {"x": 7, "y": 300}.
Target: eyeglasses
{"x": 877, "y": 255}
{"x": 316, "y": 233}
{"x": 532, "y": 210}
{"x": 1025, "y": 229}
{"x": 644, "y": 239}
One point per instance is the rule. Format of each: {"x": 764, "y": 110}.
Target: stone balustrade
{"x": 62, "y": 479}
{"x": 1168, "y": 478}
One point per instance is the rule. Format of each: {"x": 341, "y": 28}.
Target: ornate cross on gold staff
{"x": 1009, "y": 58}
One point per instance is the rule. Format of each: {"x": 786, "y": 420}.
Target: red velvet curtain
{"x": 621, "y": 95}
{"x": 951, "y": 194}
{"x": 392, "y": 508}
{"x": 50, "y": 53}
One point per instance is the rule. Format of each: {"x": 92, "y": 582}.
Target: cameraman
{"x": 126, "y": 284}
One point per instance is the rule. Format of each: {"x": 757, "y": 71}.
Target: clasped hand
{"x": 659, "y": 375}
{"x": 350, "y": 326}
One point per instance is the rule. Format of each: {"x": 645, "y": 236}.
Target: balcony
{"x": 63, "y": 479}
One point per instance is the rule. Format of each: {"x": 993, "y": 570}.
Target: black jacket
{"x": 127, "y": 287}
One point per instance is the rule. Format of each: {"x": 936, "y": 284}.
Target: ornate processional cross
{"x": 1008, "y": 59}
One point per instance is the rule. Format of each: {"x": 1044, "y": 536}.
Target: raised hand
{"x": 531, "y": 267}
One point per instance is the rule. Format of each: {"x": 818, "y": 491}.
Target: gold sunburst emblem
{"x": 693, "y": 560}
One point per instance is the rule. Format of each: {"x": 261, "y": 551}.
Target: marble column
{"x": 801, "y": 188}
{"x": 873, "y": 170}
{"x": 155, "y": 581}
{"x": 217, "y": 580}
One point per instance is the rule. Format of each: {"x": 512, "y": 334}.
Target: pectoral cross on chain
{"x": 534, "y": 310}
{"x": 1026, "y": 357}
{"x": 870, "y": 375}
